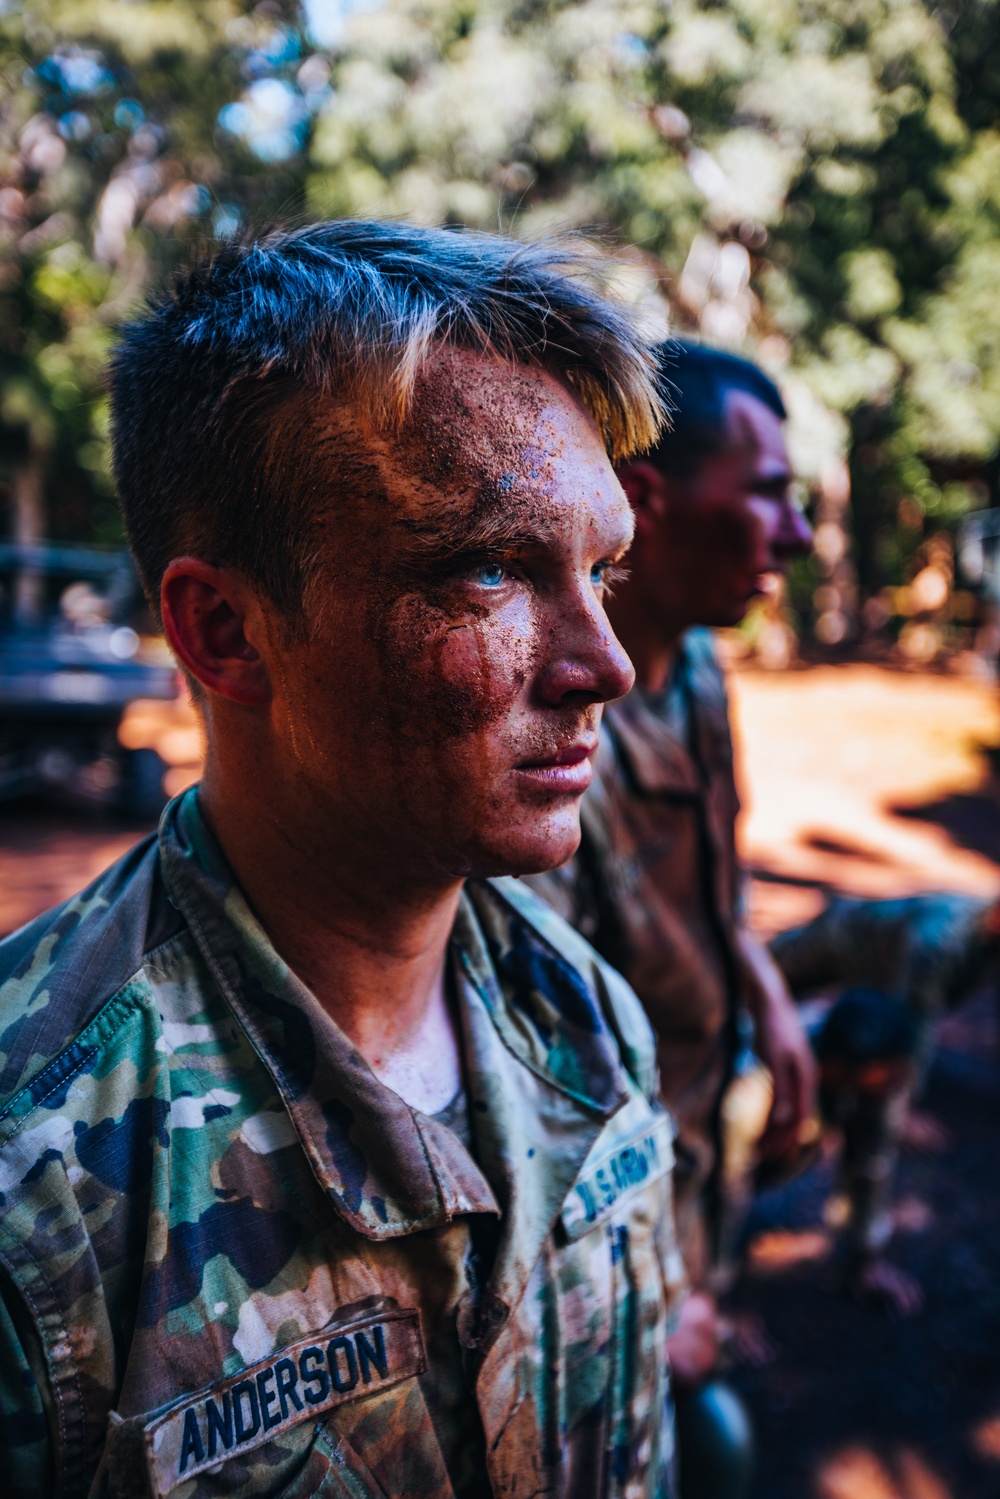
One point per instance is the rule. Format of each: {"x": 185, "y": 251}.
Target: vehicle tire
{"x": 142, "y": 793}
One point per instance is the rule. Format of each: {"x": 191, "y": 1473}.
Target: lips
{"x": 567, "y": 772}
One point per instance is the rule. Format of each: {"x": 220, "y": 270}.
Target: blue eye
{"x": 597, "y": 573}
{"x": 490, "y": 575}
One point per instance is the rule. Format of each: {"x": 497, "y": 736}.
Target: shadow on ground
{"x": 859, "y": 1405}
{"x": 971, "y": 821}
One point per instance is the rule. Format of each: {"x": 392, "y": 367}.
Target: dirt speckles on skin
{"x": 433, "y": 685}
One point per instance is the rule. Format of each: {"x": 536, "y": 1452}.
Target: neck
{"x": 650, "y": 643}
{"x": 369, "y": 946}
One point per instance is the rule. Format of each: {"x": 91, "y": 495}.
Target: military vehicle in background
{"x": 75, "y": 649}
{"x": 979, "y": 552}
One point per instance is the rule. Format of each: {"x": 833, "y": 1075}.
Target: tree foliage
{"x": 817, "y": 181}
{"x": 113, "y": 158}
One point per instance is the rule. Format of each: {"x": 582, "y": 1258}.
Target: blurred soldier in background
{"x": 656, "y": 884}
{"x": 903, "y": 963}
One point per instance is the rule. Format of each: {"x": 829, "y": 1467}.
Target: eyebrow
{"x": 471, "y": 535}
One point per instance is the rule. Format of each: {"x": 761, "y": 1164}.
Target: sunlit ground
{"x": 871, "y": 782}
{"x": 847, "y": 774}
{"x": 857, "y": 1473}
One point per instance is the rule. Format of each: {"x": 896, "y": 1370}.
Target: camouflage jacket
{"x": 232, "y": 1262}
{"x": 655, "y": 887}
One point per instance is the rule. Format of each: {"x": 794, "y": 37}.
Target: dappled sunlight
{"x": 786, "y": 1249}
{"x": 855, "y": 1474}
{"x": 820, "y": 810}
{"x": 985, "y": 1439}
{"x": 173, "y": 730}
{"x": 858, "y": 1473}
{"x": 917, "y": 1480}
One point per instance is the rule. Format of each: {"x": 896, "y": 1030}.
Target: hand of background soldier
{"x": 783, "y": 1047}
{"x": 874, "y": 1279}
{"x": 694, "y": 1348}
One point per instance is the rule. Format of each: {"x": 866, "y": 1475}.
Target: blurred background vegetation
{"x": 817, "y": 184}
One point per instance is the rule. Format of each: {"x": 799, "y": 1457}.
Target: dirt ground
{"x": 861, "y": 1405}
{"x": 855, "y": 779}
{"x": 869, "y": 782}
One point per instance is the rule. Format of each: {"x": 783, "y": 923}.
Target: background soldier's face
{"x": 459, "y": 642}
{"x": 724, "y": 529}
{"x": 741, "y": 510}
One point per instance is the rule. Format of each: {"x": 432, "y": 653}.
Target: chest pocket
{"x": 620, "y": 1256}
{"x": 295, "y": 1424}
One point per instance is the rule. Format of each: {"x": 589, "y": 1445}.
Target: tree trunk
{"x": 29, "y": 530}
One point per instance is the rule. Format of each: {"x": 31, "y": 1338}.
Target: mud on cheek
{"x": 448, "y": 678}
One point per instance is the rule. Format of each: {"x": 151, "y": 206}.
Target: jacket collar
{"x": 543, "y": 1069}
{"x": 653, "y": 735}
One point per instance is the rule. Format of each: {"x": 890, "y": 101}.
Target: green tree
{"x": 126, "y": 131}
{"x": 813, "y": 181}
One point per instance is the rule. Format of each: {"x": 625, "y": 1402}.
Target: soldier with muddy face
{"x": 333, "y": 1162}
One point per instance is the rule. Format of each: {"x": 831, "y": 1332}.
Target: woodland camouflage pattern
{"x": 234, "y": 1263}
{"x": 656, "y": 888}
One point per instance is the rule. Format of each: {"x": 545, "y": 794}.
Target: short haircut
{"x": 868, "y": 1025}
{"x": 203, "y": 382}
{"x": 695, "y": 381}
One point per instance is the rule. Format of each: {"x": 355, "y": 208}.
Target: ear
{"x": 645, "y": 487}
{"x": 212, "y": 619}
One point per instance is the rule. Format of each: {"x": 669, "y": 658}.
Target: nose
{"x": 794, "y": 537}
{"x": 583, "y": 659}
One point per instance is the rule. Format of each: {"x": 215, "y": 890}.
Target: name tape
{"x": 617, "y": 1176}
{"x": 296, "y": 1384}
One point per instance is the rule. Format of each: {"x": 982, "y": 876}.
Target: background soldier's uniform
{"x": 233, "y": 1262}
{"x": 656, "y": 888}
{"x": 931, "y": 951}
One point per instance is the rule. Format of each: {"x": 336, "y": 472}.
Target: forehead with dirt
{"x": 483, "y": 440}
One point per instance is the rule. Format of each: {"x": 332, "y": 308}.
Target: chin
{"x": 529, "y": 845}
